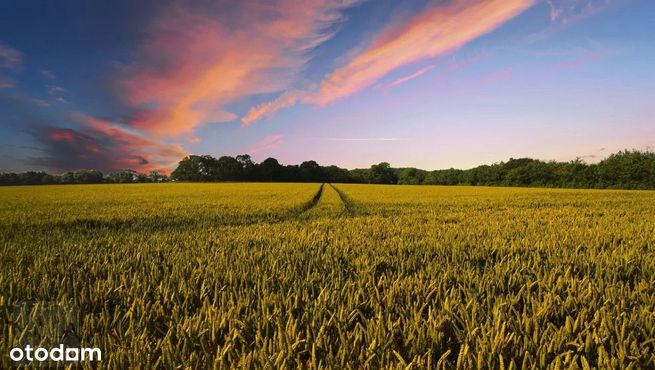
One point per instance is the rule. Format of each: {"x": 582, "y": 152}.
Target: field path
{"x": 312, "y": 202}
{"x": 347, "y": 202}
{"x": 328, "y": 203}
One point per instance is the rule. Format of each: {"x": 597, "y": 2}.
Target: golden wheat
{"x": 350, "y": 276}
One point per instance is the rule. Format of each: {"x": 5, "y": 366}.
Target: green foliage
{"x": 623, "y": 170}
{"x": 411, "y": 176}
{"x": 628, "y": 169}
{"x": 123, "y": 177}
{"x": 382, "y": 173}
{"x": 82, "y": 177}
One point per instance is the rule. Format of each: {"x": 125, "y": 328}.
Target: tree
{"x": 228, "y": 169}
{"x": 269, "y": 169}
{"x": 382, "y": 173}
{"x": 82, "y": 177}
{"x": 628, "y": 169}
{"x": 411, "y": 176}
{"x": 310, "y": 171}
{"x": 445, "y": 177}
{"x": 156, "y": 176}
{"x": 336, "y": 174}
{"x": 196, "y": 168}
{"x": 247, "y": 166}
{"x": 123, "y": 177}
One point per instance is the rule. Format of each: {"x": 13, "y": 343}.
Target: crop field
{"x": 246, "y": 275}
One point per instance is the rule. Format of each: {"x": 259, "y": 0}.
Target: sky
{"x": 433, "y": 84}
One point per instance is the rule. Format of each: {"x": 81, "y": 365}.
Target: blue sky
{"x": 430, "y": 84}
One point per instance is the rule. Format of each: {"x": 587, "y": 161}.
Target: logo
{"x": 48, "y": 332}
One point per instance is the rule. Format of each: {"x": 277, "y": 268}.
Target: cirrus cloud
{"x": 194, "y": 64}
{"x": 10, "y": 58}
{"x": 439, "y": 29}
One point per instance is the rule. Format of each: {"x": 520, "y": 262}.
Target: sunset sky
{"x": 431, "y": 84}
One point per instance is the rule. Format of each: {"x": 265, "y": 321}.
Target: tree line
{"x": 628, "y": 169}
{"x": 81, "y": 177}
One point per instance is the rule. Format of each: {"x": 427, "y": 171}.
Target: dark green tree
{"x": 196, "y": 168}
{"x": 382, "y": 173}
{"x": 411, "y": 176}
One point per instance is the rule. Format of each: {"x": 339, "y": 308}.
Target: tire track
{"x": 347, "y": 202}
{"x": 312, "y": 202}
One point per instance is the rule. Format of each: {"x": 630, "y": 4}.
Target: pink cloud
{"x": 266, "y": 144}
{"x": 438, "y": 30}
{"x": 266, "y": 110}
{"x": 412, "y": 76}
{"x": 588, "y": 57}
{"x": 128, "y": 143}
{"x": 193, "y": 64}
{"x": 193, "y": 140}
{"x": 499, "y": 75}
{"x": 459, "y": 65}
{"x": 61, "y": 135}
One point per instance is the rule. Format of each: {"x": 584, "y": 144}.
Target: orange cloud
{"x": 137, "y": 150}
{"x": 194, "y": 64}
{"x": 440, "y": 29}
{"x": 266, "y": 110}
{"x": 436, "y": 31}
{"x": 412, "y": 76}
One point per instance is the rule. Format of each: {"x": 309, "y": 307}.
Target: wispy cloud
{"x": 593, "y": 51}
{"x": 455, "y": 66}
{"x": 194, "y": 63}
{"x": 439, "y": 29}
{"x": 412, "y": 76}
{"x": 57, "y": 92}
{"x": 54, "y": 90}
{"x": 9, "y": 57}
{"x": 566, "y": 13}
{"x": 268, "y": 143}
{"x": 47, "y": 74}
{"x": 363, "y": 139}
{"x": 499, "y": 75}
{"x": 40, "y": 102}
{"x": 571, "y": 11}
{"x": 6, "y": 82}
{"x": 266, "y": 110}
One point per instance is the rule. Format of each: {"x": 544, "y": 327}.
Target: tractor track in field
{"x": 312, "y": 202}
{"x": 92, "y": 226}
{"x": 347, "y": 203}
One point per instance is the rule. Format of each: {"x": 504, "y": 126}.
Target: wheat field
{"x": 246, "y": 275}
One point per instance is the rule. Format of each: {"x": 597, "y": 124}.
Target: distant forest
{"x": 629, "y": 169}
